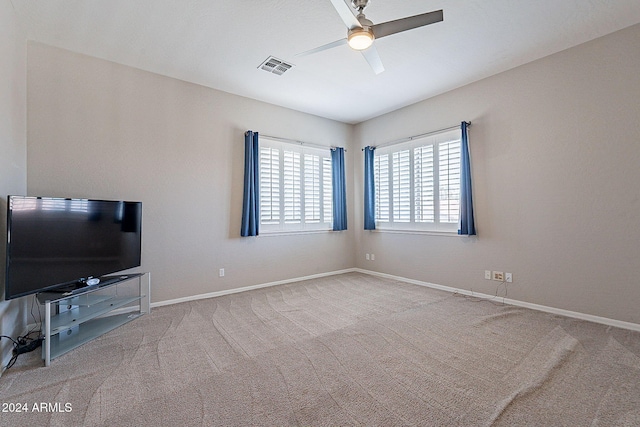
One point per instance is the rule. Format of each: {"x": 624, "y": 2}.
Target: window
{"x": 295, "y": 187}
{"x": 418, "y": 184}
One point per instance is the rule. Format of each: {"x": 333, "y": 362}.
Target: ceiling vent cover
{"x": 275, "y": 66}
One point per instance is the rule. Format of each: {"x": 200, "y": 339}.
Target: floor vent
{"x": 275, "y": 66}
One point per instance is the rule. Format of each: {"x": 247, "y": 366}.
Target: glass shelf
{"x": 72, "y": 320}
{"x": 86, "y": 295}
{"x": 62, "y": 343}
{"x": 85, "y": 300}
{"x": 82, "y": 313}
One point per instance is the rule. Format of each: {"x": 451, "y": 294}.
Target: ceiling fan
{"x": 362, "y": 32}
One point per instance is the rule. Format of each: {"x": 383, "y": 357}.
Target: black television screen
{"x": 56, "y": 242}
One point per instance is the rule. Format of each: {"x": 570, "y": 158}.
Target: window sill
{"x": 293, "y": 233}
{"x": 420, "y": 232}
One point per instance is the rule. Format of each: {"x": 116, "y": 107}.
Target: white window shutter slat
{"x": 381, "y": 174}
{"x": 401, "y": 186}
{"x": 449, "y": 180}
{"x": 269, "y": 185}
{"x": 327, "y": 191}
{"x": 292, "y": 187}
{"x": 423, "y": 183}
{"x": 311, "y": 188}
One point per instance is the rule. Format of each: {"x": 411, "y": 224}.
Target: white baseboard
{"x": 567, "y": 313}
{"x": 249, "y": 288}
{"x": 559, "y": 311}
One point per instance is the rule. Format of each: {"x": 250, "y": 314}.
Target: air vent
{"x": 275, "y": 66}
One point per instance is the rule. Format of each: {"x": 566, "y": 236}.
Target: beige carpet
{"x": 343, "y": 350}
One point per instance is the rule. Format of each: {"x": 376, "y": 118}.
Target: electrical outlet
{"x": 498, "y": 275}
{"x": 221, "y": 272}
{"x": 368, "y": 257}
{"x": 508, "y": 277}
{"x": 487, "y": 274}
{"x": 373, "y": 257}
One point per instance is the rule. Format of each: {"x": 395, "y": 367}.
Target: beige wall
{"x": 555, "y": 151}
{"x": 13, "y": 146}
{"x": 102, "y": 130}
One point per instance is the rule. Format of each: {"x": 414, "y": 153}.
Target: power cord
{"x": 15, "y": 347}
{"x": 37, "y": 321}
{"x": 492, "y": 300}
{"x": 24, "y": 343}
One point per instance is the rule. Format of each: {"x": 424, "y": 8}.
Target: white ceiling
{"x": 221, "y": 43}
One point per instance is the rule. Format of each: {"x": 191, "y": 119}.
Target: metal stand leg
{"x": 145, "y": 301}
{"x": 47, "y": 333}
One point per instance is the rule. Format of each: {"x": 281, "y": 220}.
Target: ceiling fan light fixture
{"x": 360, "y": 38}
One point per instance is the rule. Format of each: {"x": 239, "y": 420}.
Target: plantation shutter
{"x": 269, "y": 185}
{"x": 423, "y": 183}
{"x": 381, "y": 176}
{"x": 311, "y": 188}
{"x": 327, "y": 191}
{"x": 292, "y": 187}
{"x": 296, "y": 187}
{"x": 418, "y": 182}
{"x": 449, "y": 181}
{"x": 401, "y": 186}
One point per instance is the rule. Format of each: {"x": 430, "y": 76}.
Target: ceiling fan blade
{"x": 372, "y": 57}
{"x": 391, "y": 27}
{"x": 323, "y": 47}
{"x": 345, "y": 13}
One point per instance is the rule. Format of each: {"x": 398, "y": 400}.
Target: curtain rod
{"x": 293, "y": 141}
{"x": 422, "y": 135}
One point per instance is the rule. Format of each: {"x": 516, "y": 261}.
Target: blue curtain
{"x": 251, "y": 197}
{"x": 466, "y": 225}
{"x": 339, "y": 189}
{"x": 369, "y": 190}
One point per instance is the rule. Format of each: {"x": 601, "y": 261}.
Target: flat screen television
{"x": 60, "y": 243}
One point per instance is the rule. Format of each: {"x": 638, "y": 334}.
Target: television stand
{"x": 72, "y": 319}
